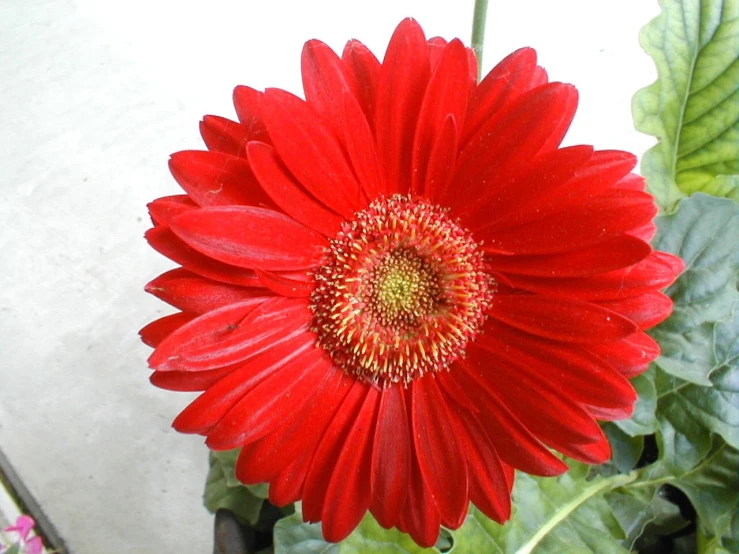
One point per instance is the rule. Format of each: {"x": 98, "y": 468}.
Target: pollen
{"x": 402, "y": 291}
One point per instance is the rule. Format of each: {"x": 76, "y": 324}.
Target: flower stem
{"x": 478, "y": 32}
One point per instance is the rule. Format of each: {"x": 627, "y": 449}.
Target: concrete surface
{"x": 94, "y": 96}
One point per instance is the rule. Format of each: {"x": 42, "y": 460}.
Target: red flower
{"x": 397, "y": 291}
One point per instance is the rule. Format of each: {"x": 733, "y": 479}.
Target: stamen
{"x": 403, "y": 290}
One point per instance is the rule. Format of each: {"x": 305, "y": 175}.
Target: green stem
{"x": 478, "y": 32}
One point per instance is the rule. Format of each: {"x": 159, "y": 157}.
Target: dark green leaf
{"x": 643, "y": 421}
{"x": 626, "y": 450}
{"x": 697, "y": 376}
{"x": 223, "y": 490}
{"x": 642, "y": 510}
{"x": 713, "y": 489}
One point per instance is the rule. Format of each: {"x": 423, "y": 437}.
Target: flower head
{"x": 397, "y": 291}
{"x": 18, "y": 537}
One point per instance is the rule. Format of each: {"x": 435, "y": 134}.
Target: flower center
{"x": 404, "y": 287}
{"x": 402, "y": 291}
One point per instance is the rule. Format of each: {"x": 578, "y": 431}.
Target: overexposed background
{"x": 94, "y": 96}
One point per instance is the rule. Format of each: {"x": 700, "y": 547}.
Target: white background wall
{"x": 94, "y": 96}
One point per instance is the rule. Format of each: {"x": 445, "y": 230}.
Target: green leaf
{"x": 223, "y": 490}
{"x": 713, "y": 489}
{"x": 695, "y": 411}
{"x": 697, "y": 375}
{"x": 293, "y": 536}
{"x": 626, "y": 450}
{"x": 566, "y": 514}
{"x": 643, "y": 511}
{"x": 370, "y": 537}
{"x": 693, "y": 107}
{"x": 643, "y": 421}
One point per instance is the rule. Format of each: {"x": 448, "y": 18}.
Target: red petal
{"x": 656, "y": 271}
{"x": 513, "y": 442}
{"x": 443, "y": 468}
{"x": 540, "y": 77}
{"x": 348, "y": 492}
{"x": 436, "y": 47}
{"x": 586, "y": 378}
{"x": 265, "y": 459}
{"x": 512, "y": 138}
{"x": 594, "y": 453}
{"x": 441, "y": 161}
{"x": 311, "y": 152}
{"x": 251, "y": 237}
{"x": 223, "y": 135}
{"x": 165, "y": 209}
{"x": 610, "y": 414}
{"x": 563, "y": 124}
{"x": 391, "y": 458}
{"x": 560, "y": 319}
{"x": 190, "y": 292}
{"x": 188, "y": 381}
{"x": 328, "y": 451}
{"x": 598, "y": 174}
{"x": 159, "y": 329}
{"x": 232, "y": 334}
{"x": 164, "y": 241}
{"x": 488, "y": 486}
{"x": 360, "y": 146}
{"x": 365, "y": 68}
{"x": 403, "y": 78}
{"x": 263, "y": 408}
{"x": 420, "y": 518}
{"x": 646, "y": 310}
{"x": 547, "y": 412}
{"x": 208, "y": 408}
{"x": 329, "y": 88}
{"x": 216, "y": 179}
{"x": 632, "y": 182}
{"x": 631, "y": 355}
{"x": 325, "y": 81}
{"x": 288, "y": 486}
{"x": 506, "y": 198}
{"x": 472, "y": 66}
{"x": 446, "y": 94}
{"x": 285, "y": 286}
{"x": 246, "y": 101}
{"x": 645, "y": 233}
{"x": 579, "y": 225}
{"x": 509, "y": 79}
{"x": 609, "y": 255}
{"x": 288, "y": 194}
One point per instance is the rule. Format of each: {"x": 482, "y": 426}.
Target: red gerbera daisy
{"x": 400, "y": 289}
